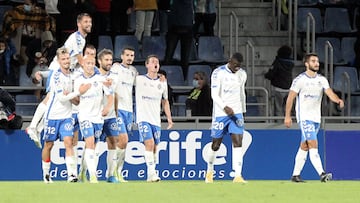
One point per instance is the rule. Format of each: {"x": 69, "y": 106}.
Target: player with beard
{"x": 124, "y": 105}
{"x": 308, "y": 88}
{"x": 75, "y": 45}
{"x": 110, "y": 128}
{"x": 58, "y": 121}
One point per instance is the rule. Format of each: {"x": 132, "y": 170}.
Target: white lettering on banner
{"x": 135, "y": 150}
{"x": 191, "y": 145}
{"x": 184, "y": 151}
{"x": 220, "y": 154}
{"x": 135, "y": 153}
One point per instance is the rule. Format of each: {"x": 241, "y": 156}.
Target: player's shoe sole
{"x": 93, "y": 179}
{"x": 47, "y": 179}
{"x": 325, "y": 177}
{"x": 297, "y": 179}
{"x": 112, "y": 179}
{"x": 209, "y": 178}
{"x": 153, "y": 178}
{"x": 72, "y": 179}
{"x": 239, "y": 179}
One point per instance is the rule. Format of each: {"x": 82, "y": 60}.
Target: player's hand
{"x": 170, "y": 124}
{"x": 105, "y": 112}
{"x": 84, "y": 87}
{"x": 38, "y": 76}
{"x": 341, "y": 103}
{"x": 288, "y": 122}
{"x": 229, "y": 111}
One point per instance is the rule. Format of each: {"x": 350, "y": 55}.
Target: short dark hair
{"x": 127, "y": 48}
{"x": 237, "y": 56}
{"x": 150, "y": 56}
{"x": 104, "y": 52}
{"x": 307, "y": 56}
{"x": 81, "y": 15}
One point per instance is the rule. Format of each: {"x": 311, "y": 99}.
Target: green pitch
{"x": 181, "y": 191}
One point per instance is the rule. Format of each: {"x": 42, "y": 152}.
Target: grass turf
{"x": 181, "y": 191}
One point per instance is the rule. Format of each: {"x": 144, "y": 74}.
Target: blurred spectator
{"x": 163, "y": 77}
{"x": 8, "y": 117}
{"x": 280, "y": 76}
{"x": 101, "y": 20}
{"x": 40, "y": 50}
{"x": 180, "y": 24}
{"x": 205, "y": 13}
{"x": 144, "y": 11}
{"x": 199, "y": 100}
{"x": 9, "y": 67}
{"x": 51, "y": 7}
{"x": 119, "y": 16}
{"x": 68, "y": 12}
{"x": 163, "y": 12}
{"x": 25, "y": 23}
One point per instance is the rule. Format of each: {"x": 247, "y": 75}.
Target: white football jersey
{"x": 75, "y": 44}
{"x": 113, "y": 77}
{"x": 310, "y": 92}
{"x": 59, "y": 105}
{"x": 228, "y": 89}
{"x": 148, "y": 94}
{"x": 125, "y": 84}
{"x": 91, "y": 102}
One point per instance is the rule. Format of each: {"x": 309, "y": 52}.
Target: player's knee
{"x": 215, "y": 146}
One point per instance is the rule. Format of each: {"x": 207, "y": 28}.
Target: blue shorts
{"x": 58, "y": 129}
{"x": 309, "y": 130}
{"x": 75, "y": 121}
{"x": 225, "y": 125}
{"x": 125, "y": 121}
{"x": 89, "y": 129}
{"x": 148, "y": 131}
{"x": 110, "y": 128}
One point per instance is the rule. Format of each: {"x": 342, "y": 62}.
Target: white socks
{"x": 149, "y": 159}
{"x": 71, "y": 165}
{"x": 97, "y": 155}
{"x": 111, "y": 159}
{"x": 121, "y": 159}
{"x": 300, "y": 159}
{"x": 90, "y": 161}
{"x": 315, "y": 160}
{"x": 237, "y": 160}
{"x": 46, "y": 168}
{"x": 40, "y": 110}
{"x": 210, "y": 161}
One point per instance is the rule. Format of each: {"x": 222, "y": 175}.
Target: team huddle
{"x": 96, "y": 103}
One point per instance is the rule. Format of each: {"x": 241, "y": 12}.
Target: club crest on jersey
{"x": 159, "y": 86}
{"x": 96, "y": 84}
